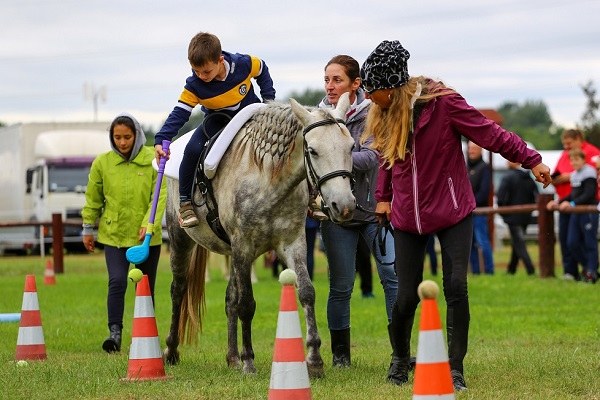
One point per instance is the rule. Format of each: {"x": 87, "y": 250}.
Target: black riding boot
{"x": 340, "y": 347}
{"x": 400, "y": 331}
{"x": 113, "y": 342}
{"x": 457, "y": 328}
{"x": 412, "y": 362}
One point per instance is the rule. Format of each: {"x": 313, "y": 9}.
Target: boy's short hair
{"x": 573, "y": 153}
{"x": 204, "y": 48}
{"x": 572, "y": 134}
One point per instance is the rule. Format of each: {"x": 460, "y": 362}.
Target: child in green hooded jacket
{"x": 119, "y": 198}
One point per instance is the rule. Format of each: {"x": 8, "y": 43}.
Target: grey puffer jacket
{"x": 365, "y": 161}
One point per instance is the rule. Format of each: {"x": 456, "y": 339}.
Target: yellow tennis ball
{"x": 428, "y": 290}
{"x": 135, "y": 275}
{"x": 288, "y": 277}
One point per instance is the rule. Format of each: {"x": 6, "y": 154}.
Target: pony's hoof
{"x": 171, "y": 357}
{"x": 315, "y": 371}
{"x": 234, "y": 363}
{"x": 249, "y": 369}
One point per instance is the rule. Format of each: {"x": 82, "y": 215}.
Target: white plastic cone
{"x": 49, "y": 277}
{"x": 30, "y": 341}
{"x": 432, "y": 372}
{"x": 145, "y": 356}
{"x": 289, "y": 372}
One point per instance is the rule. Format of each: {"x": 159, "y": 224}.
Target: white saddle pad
{"x": 217, "y": 150}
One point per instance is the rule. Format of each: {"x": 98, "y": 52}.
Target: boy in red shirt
{"x": 571, "y": 139}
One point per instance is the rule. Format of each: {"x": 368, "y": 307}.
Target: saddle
{"x": 217, "y": 150}
{"x": 208, "y": 163}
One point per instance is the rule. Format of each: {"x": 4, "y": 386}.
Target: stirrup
{"x": 187, "y": 216}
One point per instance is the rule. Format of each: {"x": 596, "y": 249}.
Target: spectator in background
{"x": 516, "y": 188}
{"x": 598, "y": 179}
{"x": 275, "y": 262}
{"x": 571, "y": 139}
{"x": 481, "y": 182}
{"x": 583, "y": 228}
{"x": 311, "y": 229}
{"x": 363, "y": 268}
{"x": 432, "y": 255}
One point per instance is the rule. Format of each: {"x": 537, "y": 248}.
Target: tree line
{"x": 530, "y": 119}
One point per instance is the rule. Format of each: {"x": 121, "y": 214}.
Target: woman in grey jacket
{"x": 342, "y": 74}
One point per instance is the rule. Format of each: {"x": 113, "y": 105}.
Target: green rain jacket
{"x": 119, "y": 194}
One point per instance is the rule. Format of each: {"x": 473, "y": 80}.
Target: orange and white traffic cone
{"x": 49, "y": 277}
{"x": 289, "y": 372}
{"x": 145, "y": 357}
{"x": 432, "y": 372}
{"x": 30, "y": 341}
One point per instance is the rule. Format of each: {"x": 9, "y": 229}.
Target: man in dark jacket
{"x": 481, "y": 182}
{"x": 516, "y": 188}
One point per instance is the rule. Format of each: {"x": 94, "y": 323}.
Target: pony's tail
{"x": 193, "y": 305}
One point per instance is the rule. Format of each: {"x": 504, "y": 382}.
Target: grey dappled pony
{"x": 262, "y": 195}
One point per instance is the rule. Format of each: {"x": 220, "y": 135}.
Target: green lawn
{"x": 530, "y": 338}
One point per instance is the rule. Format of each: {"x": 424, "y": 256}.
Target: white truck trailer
{"x": 45, "y": 171}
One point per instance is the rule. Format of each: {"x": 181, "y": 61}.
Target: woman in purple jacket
{"x": 423, "y": 187}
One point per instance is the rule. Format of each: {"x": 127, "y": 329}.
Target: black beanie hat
{"x": 385, "y": 68}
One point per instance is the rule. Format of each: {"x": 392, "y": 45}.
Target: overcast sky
{"x": 489, "y": 51}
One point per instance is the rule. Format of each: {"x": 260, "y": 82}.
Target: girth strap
{"x": 206, "y": 190}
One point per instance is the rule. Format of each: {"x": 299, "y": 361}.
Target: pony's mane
{"x": 271, "y": 134}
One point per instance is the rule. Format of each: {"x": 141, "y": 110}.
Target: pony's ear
{"x": 342, "y": 107}
{"x": 301, "y": 112}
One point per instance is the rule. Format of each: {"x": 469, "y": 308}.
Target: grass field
{"x": 530, "y": 338}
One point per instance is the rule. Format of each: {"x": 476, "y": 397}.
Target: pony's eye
{"x": 312, "y": 152}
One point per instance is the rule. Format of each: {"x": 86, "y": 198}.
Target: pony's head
{"x": 328, "y": 156}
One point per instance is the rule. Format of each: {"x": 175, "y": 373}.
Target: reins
{"x": 383, "y": 228}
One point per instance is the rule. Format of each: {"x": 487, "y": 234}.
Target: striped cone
{"x": 289, "y": 373}
{"x": 145, "y": 357}
{"x": 49, "y": 277}
{"x": 30, "y": 341}
{"x": 432, "y": 372}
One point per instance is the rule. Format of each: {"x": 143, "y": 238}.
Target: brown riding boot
{"x": 314, "y": 209}
{"x": 187, "y": 216}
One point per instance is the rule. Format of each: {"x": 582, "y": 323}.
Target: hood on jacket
{"x": 360, "y": 103}
{"x": 140, "y": 137}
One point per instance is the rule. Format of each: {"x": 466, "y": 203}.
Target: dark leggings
{"x": 118, "y": 269}
{"x": 455, "y": 243}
